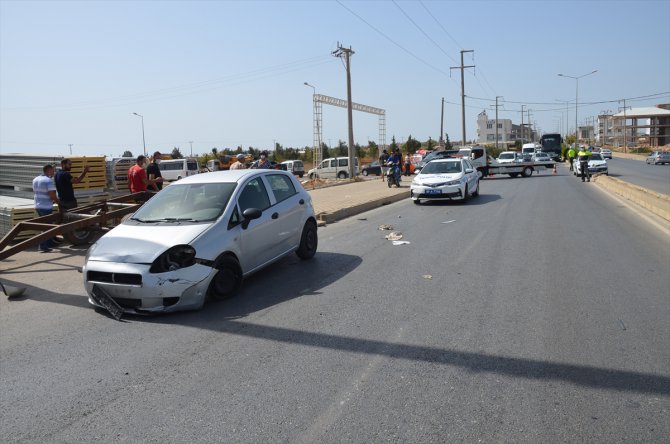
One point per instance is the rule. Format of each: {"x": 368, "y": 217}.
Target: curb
{"x": 324, "y": 218}
{"x": 657, "y": 203}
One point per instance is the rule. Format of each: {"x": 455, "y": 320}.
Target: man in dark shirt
{"x": 64, "y": 182}
{"x": 154, "y": 173}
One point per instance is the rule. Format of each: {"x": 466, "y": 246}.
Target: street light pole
{"x": 577, "y": 98}
{"x": 144, "y": 144}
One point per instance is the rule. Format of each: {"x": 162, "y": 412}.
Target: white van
{"x": 530, "y": 148}
{"x": 333, "y": 168}
{"x": 175, "y": 169}
{"x": 295, "y": 166}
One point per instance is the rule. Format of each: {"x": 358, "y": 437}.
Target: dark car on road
{"x": 372, "y": 168}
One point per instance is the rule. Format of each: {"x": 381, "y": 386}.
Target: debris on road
{"x": 400, "y": 242}
{"x": 394, "y": 236}
{"x": 385, "y": 227}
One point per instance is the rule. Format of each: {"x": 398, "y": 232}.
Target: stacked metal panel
{"x": 117, "y": 172}
{"x": 19, "y": 170}
{"x": 14, "y": 210}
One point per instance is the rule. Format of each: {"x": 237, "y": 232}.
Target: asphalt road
{"x": 538, "y": 312}
{"x": 652, "y": 177}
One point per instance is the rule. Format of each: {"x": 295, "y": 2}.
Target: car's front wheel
{"x": 365, "y": 172}
{"x": 476, "y": 192}
{"x": 227, "y": 280}
{"x": 308, "y": 241}
{"x": 466, "y": 197}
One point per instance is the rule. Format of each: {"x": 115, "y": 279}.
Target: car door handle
{"x": 275, "y": 215}
{"x": 301, "y": 201}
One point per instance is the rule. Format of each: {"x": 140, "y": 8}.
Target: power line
{"x": 391, "y": 40}
{"x": 459, "y": 46}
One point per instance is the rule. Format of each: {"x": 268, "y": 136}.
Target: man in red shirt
{"x": 137, "y": 176}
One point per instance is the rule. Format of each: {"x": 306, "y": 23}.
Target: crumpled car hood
{"x": 142, "y": 244}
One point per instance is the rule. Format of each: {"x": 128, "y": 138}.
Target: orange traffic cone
{"x": 554, "y": 171}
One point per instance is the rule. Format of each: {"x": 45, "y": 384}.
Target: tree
{"x": 176, "y": 154}
{"x": 412, "y": 145}
{"x": 373, "y": 149}
{"x": 430, "y": 143}
{"x": 394, "y": 145}
{"x": 342, "y": 149}
{"x": 127, "y": 153}
{"x": 215, "y": 151}
{"x": 447, "y": 142}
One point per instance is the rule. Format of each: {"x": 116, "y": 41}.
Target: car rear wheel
{"x": 308, "y": 241}
{"x": 341, "y": 175}
{"x": 227, "y": 280}
{"x": 417, "y": 202}
{"x": 527, "y": 172}
{"x": 79, "y": 237}
{"x": 365, "y": 172}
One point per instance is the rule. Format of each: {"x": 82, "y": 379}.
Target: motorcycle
{"x": 393, "y": 175}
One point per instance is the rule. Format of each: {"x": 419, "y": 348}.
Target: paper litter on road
{"x": 400, "y": 242}
{"x": 394, "y": 236}
{"x": 449, "y": 221}
{"x": 427, "y": 276}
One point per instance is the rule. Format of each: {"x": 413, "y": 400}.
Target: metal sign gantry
{"x": 320, "y": 99}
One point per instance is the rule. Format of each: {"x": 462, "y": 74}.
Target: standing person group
{"x": 45, "y": 198}
{"x": 64, "y": 182}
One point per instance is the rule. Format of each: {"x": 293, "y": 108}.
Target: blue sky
{"x": 229, "y": 73}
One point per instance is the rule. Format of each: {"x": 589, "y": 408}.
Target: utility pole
{"x": 522, "y": 123}
{"x": 347, "y": 53}
{"x": 70, "y": 145}
{"x": 530, "y": 126}
{"x": 462, "y": 67}
{"x": 191, "y": 142}
{"x": 442, "y": 125}
{"x": 625, "y": 146}
{"x": 497, "y": 97}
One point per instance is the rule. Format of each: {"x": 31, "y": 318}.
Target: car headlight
{"x": 179, "y": 256}
{"x": 453, "y": 182}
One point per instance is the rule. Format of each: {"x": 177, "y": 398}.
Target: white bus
{"x": 175, "y": 169}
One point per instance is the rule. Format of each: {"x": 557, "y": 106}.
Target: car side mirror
{"x": 250, "y": 214}
{"x": 469, "y": 170}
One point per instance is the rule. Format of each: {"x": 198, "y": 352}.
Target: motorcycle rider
{"x": 394, "y": 160}
{"x": 584, "y": 155}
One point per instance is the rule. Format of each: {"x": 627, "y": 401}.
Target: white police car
{"x": 445, "y": 179}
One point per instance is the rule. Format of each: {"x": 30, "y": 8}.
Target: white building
{"x": 508, "y": 133}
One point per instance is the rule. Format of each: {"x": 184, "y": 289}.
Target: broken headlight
{"x": 179, "y": 256}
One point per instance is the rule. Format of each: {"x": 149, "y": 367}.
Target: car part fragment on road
{"x": 400, "y": 242}
{"x": 12, "y": 292}
{"x": 385, "y": 227}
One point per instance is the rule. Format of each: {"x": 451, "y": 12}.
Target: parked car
{"x": 445, "y": 179}
{"x": 508, "y": 157}
{"x": 607, "y": 154}
{"x": 294, "y": 166}
{"x": 199, "y": 238}
{"x": 596, "y": 165}
{"x": 657, "y": 157}
{"x": 372, "y": 168}
{"x": 333, "y": 168}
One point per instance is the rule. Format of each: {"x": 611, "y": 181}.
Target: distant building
{"x": 508, "y": 133}
{"x": 647, "y": 126}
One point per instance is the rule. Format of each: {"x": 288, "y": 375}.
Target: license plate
{"x": 101, "y": 297}
{"x": 433, "y": 191}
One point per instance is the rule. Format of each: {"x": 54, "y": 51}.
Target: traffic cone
{"x": 554, "y": 170}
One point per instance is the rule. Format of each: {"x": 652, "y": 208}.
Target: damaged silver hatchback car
{"x": 198, "y": 238}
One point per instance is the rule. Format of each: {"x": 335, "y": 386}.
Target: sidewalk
{"x": 340, "y": 201}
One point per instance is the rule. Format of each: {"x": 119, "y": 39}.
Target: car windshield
{"x": 198, "y": 202}
{"x": 596, "y": 156}
{"x": 442, "y": 168}
{"x": 506, "y": 156}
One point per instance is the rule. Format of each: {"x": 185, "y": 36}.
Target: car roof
{"x": 227, "y": 176}
{"x": 447, "y": 159}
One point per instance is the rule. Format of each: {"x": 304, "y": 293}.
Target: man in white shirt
{"x": 45, "y": 196}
